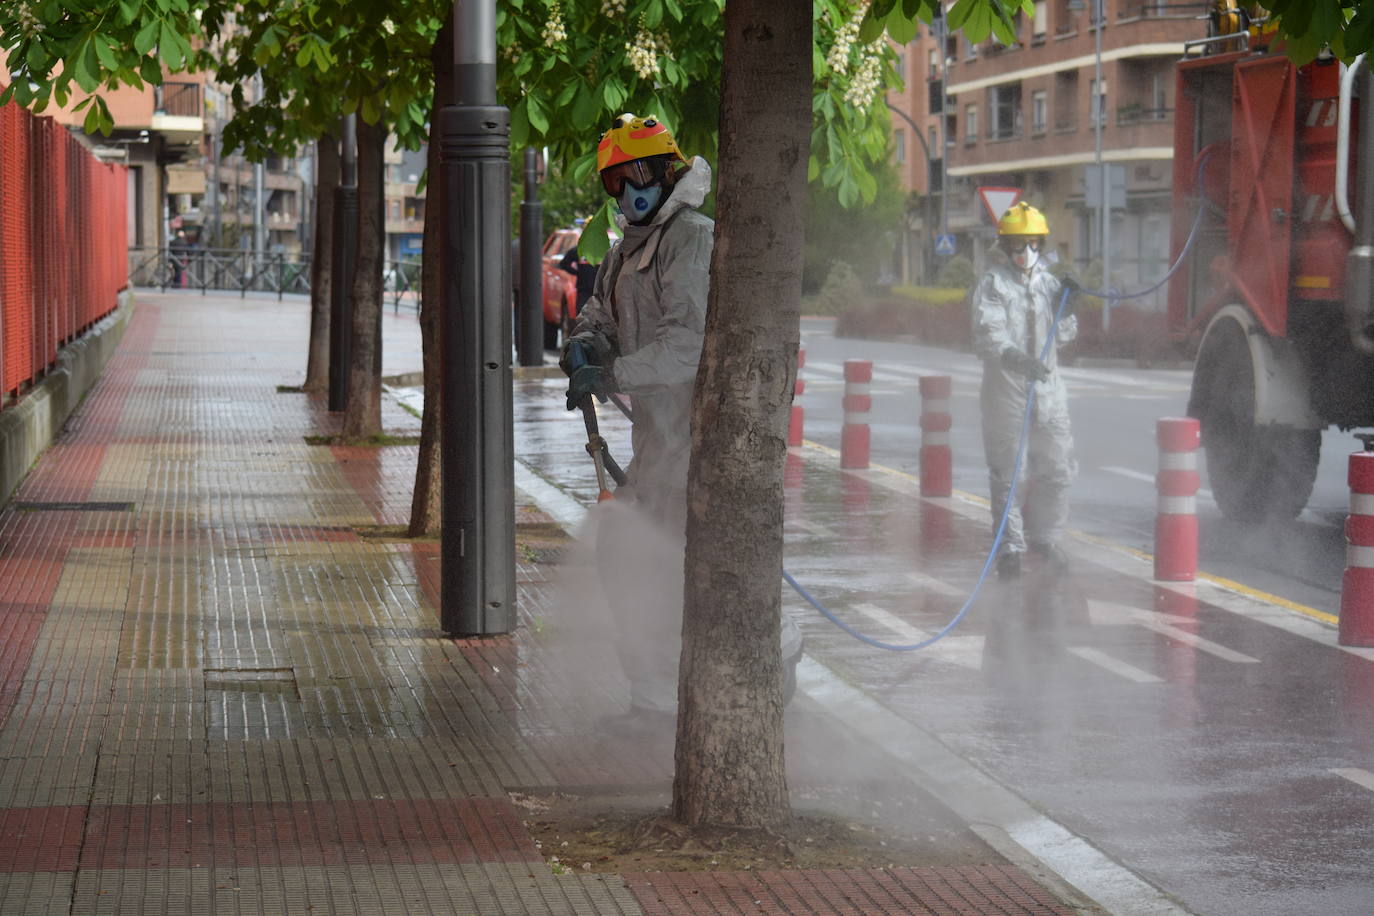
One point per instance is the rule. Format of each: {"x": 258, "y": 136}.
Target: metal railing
{"x": 178, "y": 98}
{"x": 1126, "y": 116}
{"x": 241, "y": 271}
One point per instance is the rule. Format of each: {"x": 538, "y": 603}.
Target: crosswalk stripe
{"x": 1114, "y": 665}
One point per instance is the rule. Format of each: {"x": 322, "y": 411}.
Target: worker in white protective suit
{"x": 643, "y": 329}
{"x": 1014, "y": 306}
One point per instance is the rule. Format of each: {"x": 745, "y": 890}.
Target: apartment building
{"x": 1032, "y": 114}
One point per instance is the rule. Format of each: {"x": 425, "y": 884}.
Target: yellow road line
{"x": 1219, "y": 581}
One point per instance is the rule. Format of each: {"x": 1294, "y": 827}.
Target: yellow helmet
{"x": 1022, "y": 219}
{"x": 632, "y": 137}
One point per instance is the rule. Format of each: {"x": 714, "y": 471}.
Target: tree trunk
{"x": 425, "y": 504}
{"x": 321, "y": 264}
{"x": 730, "y": 739}
{"x": 363, "y": 417}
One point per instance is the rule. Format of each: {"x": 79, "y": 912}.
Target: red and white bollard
{"x": 795, "y": 429}
{"x": 1177, "y": 485}
{"x": 937, "y": 462}
{"x": 1357, "y": 585}
{"x": 858, "y": 402}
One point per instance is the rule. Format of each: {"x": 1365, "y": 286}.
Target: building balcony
{"x": 1135, "y": 114}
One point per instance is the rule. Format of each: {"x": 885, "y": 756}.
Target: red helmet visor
{"x": 639, "y": 172}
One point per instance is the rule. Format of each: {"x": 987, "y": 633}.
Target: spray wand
{"x": 596, "y": 445}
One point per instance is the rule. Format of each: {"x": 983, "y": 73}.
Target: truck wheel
{"x": 1257, "y": 473}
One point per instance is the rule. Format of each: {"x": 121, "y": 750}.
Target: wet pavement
{"x": 1215, "y": 745}
{"x": 222, "y": 689}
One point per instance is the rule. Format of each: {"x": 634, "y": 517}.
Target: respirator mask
{"x": 1024, "y": 253}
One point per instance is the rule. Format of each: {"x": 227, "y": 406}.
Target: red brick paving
{"x": 430, "y": 831}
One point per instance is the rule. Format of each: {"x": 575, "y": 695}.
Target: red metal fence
{"x": 64, "y": 243}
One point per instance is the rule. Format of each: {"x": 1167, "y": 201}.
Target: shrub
{"x": 956, "y": 272}
{"x": 840, "y": 292}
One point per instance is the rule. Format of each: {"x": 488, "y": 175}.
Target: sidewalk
{"x": 222, "y": 688}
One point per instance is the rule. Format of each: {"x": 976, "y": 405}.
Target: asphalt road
{"x": 1114, "y": 413}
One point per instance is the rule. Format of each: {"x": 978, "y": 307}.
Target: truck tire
{"x": 1257, "y": 473}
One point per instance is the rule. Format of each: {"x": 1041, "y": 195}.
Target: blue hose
{"x": 1016, "y": 469}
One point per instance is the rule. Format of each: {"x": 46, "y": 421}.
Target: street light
{"x": 1099, "y": 110}
{"x": 925, "y": 148}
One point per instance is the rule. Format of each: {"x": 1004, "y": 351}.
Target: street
{"x": 1114, "y": 413}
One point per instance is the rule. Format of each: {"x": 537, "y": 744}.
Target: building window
{"x": 970, "y": 123}
{"x": 1159, "y": 93}
{"x": 1040, "y": 22}
{"x": 1039, "y": 110}
{"x": 933, "y": 64}
{"x": 970, "y": 49}
{"x": 1004, "y": 111}
{"x": 899, "y": 145}
{"x": 1098, "y": 95}
{"x": 1066, "y": 102}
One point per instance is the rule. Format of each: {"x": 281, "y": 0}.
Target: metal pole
{"x": 531, "y": 330}
{"x": 216, "y": 218}
{"x": 477, "y": 550}
{"x": 345, "y": 255}
{"x": 944, "y": 124}
{"x": 928, "y": 249}
{"x": 1105, "y": 203}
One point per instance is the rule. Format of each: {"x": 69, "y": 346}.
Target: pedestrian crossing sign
{"x": 944, "y": 244}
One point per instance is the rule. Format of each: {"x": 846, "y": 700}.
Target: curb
{"x": 29, "y": 426}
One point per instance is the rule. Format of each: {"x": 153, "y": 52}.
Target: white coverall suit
{"x": 656, "y": 316}
{"x": 1015, "y": 309}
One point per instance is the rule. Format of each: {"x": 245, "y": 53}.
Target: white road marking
{"x": 1164, "y": 624}
{"x": 810, "y": 527}
{"x": 1356, "y": 775}
{"x": 979, "y": 799}
{"x": 966, "y": 651}
{"x": 1114, "y": 665}
{"x": 938, "y": 586}
{"x": 1146, "y": 478}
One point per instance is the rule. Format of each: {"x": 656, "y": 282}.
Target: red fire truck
{"x": 1276, "y": 288}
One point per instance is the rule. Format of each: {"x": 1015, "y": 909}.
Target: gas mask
{"x": 1024, "y": 253}
{"x": 639, "y": 204}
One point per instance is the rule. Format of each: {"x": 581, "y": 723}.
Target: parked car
{"x": 560, "y": 287}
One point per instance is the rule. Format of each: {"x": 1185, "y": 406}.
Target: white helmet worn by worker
{"x": 1013, "y": 307}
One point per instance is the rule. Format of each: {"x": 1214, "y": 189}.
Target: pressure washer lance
{"x": 596, "y": 445}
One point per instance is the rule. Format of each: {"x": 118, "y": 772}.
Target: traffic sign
{"x": 998, "y": 200}
{"x": 944, "y": 244}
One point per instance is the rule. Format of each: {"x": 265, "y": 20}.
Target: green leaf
{"x": 813, "y": 168}
{"x": 146, "y": 37}
{"x": 566, "y": 96}
{"x": 900, "y": 28}
{"x": 582, "y": 168}
{"x": 105, "y": 54}
{"x": 91, "y": 124}
{"x": 594, "y": 243}
{"x": 82, "y": 71}
{"x": 168, "y": 49}
{"x": 613, "y": 93}
{"x": 871, "y": 27}
{"x": 519, "y": 124}
{"x": 539, "y": 119}
{"x": 585, "y": 108}
{"x": 653, "y": 14}
{"x": 6, "y": 94}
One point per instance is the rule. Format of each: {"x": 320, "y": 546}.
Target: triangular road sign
{"x": 998, "y": 200}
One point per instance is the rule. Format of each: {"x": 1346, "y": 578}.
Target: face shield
{"x": 641, "y": 173}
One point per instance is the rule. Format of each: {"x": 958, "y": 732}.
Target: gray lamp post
{"x": 927, "y": 249}
{"x": 477, "y": 554}
{"x": 1099, "y": 114}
